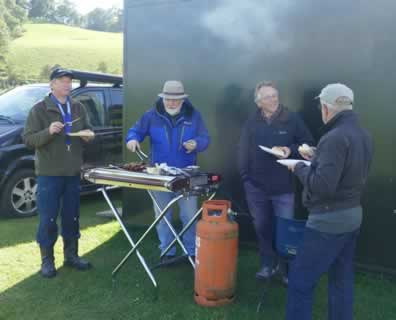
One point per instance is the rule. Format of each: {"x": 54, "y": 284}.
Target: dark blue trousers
{"x": 54, "y": 195}
{"x": 263, "y": 209}
{"x": 320, "y": 253}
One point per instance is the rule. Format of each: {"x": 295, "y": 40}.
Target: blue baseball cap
{"x": 60, "y": 72}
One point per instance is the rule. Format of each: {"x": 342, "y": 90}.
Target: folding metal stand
{"x": 161, "y": 215}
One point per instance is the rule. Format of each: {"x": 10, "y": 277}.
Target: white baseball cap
{"x": 336, "y": 94}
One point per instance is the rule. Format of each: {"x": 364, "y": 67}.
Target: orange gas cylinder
{"x": 216, "y": 255}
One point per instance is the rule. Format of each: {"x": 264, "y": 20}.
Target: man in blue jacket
{"x": 333, "y": 186}
{"x": 177, "y": 133}
{"x": 268, "y": 185}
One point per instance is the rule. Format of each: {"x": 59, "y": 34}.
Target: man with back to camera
{"x": 333, "y": 186}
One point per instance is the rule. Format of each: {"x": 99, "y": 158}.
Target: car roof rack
{"x": 85, "y": 77}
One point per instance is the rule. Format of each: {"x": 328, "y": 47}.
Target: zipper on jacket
{"x": 181, "y": 138}
{"x": 167, "y": 135}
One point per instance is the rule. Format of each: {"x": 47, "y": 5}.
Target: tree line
{"x": 64, "y": 12}
{"x": 14, "y": 13}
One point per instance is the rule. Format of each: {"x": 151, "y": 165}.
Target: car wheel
{"x": 19, "y": 198}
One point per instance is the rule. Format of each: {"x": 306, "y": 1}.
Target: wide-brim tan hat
{"x": 173, "y": 90}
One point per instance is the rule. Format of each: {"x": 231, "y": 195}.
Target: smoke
{"x": 254, "y": 25}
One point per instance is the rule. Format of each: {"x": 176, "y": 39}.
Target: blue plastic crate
{"x": 288, "y": 236}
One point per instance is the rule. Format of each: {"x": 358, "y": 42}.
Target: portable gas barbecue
{"x": 183, "y": 182}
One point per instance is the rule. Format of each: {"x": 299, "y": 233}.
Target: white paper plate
{"x": 274, "y": 152}
{"x": 287, "y": 162}
{"x": 82, "y": 133}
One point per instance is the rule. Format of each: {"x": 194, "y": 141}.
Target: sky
{"x": 85, "y": 6}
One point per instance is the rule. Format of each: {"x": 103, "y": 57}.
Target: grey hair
{"x": 263, "y": 84}
{"x": 342, "y": 105}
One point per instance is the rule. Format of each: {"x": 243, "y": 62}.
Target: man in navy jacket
{"x": 177, "y": 133}
{"x": 333, "y": 186}
{"x": 268, "y": 185}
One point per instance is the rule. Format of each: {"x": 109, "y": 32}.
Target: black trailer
{"x": 221, "y": 48}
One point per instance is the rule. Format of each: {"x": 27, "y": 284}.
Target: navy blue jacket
{"x": 259, "y": 167}
{"x": 167, "y": 136}
{"x": 338, "y": 172}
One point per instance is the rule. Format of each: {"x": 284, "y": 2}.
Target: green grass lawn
{"x": 50, "y": 44}
{"x": 93, "y": 295}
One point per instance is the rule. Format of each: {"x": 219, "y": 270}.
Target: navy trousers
{"x": 263, "y": 208}
{"x": 56, "y": 195}
{"x": 320, "y": 253}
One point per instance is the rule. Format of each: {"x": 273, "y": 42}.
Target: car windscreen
{"x": 16, "y": 103}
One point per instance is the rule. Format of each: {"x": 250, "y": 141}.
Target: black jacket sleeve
{"x": 323, "y": 176}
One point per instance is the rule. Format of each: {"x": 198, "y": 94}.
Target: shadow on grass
{"x": 18, "y": 231}
{"x": 93, "y": 294}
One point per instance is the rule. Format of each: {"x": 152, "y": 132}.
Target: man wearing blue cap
{"x": 58, "y": 158}
{"x": 333, "y": 186}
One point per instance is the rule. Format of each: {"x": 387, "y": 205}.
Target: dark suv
{"x": 101, "y": 94}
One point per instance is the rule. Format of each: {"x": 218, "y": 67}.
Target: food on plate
{"x": 306, "y": 150}
{"x": 153, "y": 170}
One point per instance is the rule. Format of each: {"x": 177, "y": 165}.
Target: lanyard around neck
{"x": 59, "y": 104}
{"x": 67, "y": 117}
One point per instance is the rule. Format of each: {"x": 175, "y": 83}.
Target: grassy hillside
{"x": 49, "y": 44}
